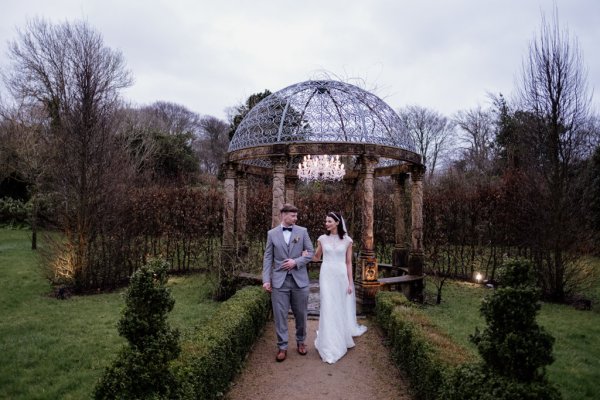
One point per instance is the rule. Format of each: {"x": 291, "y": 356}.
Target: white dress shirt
{"x": 286, "y": 235}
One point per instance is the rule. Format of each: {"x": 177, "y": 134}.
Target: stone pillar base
{"x": 365, "y": 296}
{"x": 415, "y": 263}
{"x": 400, "y": 258}
{"x": 366, "y": 284}
{"x": 228, "y": 257}
{"x": 416, "y": 291}
{"x": 242, "y": 251}
{"x": 226, "y": 284}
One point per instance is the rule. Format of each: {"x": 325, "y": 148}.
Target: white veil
{"x": 344, "y": 225}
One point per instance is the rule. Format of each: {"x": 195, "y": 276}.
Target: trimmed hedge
{"x": 210, "y": 360}
{"x": 440, "y": 369}
{"x": 477, "y": 382}
{"x": 425, "y": 354}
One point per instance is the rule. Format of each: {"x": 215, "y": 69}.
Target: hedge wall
{"x": 425, "y": 354}
{"x": 210, "y": 360}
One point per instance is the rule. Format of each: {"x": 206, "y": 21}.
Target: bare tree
{"x": 477, "y": 131}
{"x": 430, "y": 131}
{"x": 134, "y": 133}
{"x": 213, "y": 143}
{"x": 67, "y": 71}
{"x": 173, "y": 118}
{"x": 553, "y": 88}
{"x": 160, "y": 138}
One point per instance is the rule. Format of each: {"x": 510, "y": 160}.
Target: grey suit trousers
{"x": 289, "y": 294}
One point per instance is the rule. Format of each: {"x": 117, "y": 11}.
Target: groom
{"x": 286, "y": 278}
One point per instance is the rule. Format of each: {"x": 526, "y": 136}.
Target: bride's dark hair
{"x": 337, "y": 217}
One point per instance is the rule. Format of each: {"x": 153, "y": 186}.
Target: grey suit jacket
{"x": 277, "y": 251}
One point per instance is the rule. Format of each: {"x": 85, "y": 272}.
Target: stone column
{"x": 228, "y": 248}
{"x": 279, "y": 166}
{"x": 416, "y": 256}
{"x": 368, "y": 199}
{"x": 349, "y": 207}
{"x": 400, "y": 254}
{"x": 241, "y": 216}
{"x": 290, "y": 189}
{"x": 367, "y": 271}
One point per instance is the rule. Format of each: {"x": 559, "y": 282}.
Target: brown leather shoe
{"x": 302, "y": 349}
{"x": 281, "y": 354}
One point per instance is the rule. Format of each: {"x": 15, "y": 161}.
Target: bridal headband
{"x": 337, "y": 218}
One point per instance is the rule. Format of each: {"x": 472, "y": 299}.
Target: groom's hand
{"x": 267, "y": 286}
{"x": 288, "y": 264}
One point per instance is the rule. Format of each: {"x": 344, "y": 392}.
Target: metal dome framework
{"x": 321, "y": 117}
{"x": 324, "y": 117}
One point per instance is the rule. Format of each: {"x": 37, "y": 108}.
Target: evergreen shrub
{"x": 142, "y": 369}
{"x": 514, "y": 348}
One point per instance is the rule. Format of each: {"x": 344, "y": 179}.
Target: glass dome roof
{"x": 321, "y": 111}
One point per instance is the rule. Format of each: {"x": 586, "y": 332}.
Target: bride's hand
{"x": 349, "y": 290}
{"x": 305, "y": 253}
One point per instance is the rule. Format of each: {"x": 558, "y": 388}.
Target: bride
{"x": 337, "y": 321}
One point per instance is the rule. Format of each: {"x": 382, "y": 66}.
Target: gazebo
{"x": 326, "y": 117}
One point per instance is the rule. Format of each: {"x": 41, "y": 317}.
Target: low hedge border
{"x": 427, "y": 355}
{"x": 210, "y": 360}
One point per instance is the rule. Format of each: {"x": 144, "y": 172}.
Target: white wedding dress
{"x": 337, "y": 320}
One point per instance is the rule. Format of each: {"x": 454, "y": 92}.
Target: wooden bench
{"x": 388, "y": 270}
{"x": 253, "y": 279}
{"x": 393, "y": 282}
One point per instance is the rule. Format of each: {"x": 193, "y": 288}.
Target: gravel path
{"x": 365, "y": 372}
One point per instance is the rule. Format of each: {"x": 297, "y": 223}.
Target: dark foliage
{"x": 243, "y": 109}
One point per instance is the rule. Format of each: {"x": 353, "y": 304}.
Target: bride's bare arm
{"x": 318, "y": 253}
{"x": 349, "y": 267}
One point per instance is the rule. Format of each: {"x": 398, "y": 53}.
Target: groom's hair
{"x": 289, "y": 208}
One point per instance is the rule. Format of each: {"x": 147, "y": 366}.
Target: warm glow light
{"x": 321, "y": 168}
{"x": 478, "y": 277}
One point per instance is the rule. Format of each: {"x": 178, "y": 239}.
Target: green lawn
{"x": 576, "y": 369}
{"x": 57, "y": 349}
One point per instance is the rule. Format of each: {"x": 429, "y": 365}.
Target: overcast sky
{"x": 211, "y": 55}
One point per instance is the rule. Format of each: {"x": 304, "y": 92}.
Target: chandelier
{"x": 321, "y": 168}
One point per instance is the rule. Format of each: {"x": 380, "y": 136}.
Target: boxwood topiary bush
{"x": 514, "y": 348}
{"x": 142, "y": 368}
{"x": 210, "y": 359}
{"x": 148, "y": 368}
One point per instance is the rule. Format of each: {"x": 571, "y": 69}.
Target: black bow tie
{"x": 287, "y": 229}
